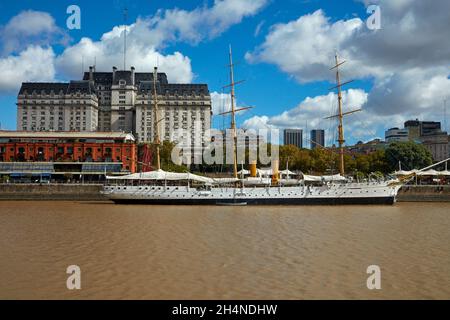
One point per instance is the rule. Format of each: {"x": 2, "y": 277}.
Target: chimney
{"x": 132, "y": 76}
{"x": 275, "y": 172}
{"x": 91, "y": 74}
{"x": 114, "y": 73}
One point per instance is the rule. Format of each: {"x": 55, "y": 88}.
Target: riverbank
{"x": 69, "y": 192}
{"x": 424, "y": 194}
{"x": 91, "y": 192}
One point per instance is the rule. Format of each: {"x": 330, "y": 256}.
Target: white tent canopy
{"x": 405, "y": 173}
{"x": 225, "y": 180}
{"x": 430, "y": 172}
{"x": 287, "y": 172}
{"x": 163, "y": 175}
{"x": 336, "y": 177}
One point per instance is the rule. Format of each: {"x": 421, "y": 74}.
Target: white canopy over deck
{"x": 163, "y": 175}
{"x": 430, "y": 172}
{"x": 336, "y": 177}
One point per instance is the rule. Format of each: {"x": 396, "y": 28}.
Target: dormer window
{"x": 122, "y": 82}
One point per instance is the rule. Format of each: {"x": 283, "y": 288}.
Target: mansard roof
{"x": 143, "y": 80}
{"x": 81, "y": 86}
{"x": 106, "y": 78}
{"x": 43, "y": 87}
{"x": 174, "y": 88}
{"x": 100, "y": 77}
{"x": 57, "y": 88}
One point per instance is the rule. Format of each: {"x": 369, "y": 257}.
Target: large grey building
{"x": 437, "y": 144}
{"x": 57, "y": 107}
{"x": 293, "y": 137}
{"x": 396, "y": 134}
{"x": 418, "y": 128}
{"x": 116, "y": 101}
{"x": 428, "y": 133}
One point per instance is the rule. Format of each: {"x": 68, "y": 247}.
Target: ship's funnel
{"x": 275, "y": 171}
{"x": 253, "y": 171}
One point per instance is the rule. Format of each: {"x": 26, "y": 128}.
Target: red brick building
{"x": 65, "y": 147}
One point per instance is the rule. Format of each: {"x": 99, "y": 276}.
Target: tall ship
{"x": 162, "y": 187}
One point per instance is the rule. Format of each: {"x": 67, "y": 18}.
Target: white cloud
{"x": 221, "y": 102}
{"x": 108, "y": 52}
{"x": 148, "y": 35}
{"x": 407, "y": 59}
{"x": 259, "y": 27}
{"x": 33, "y": 64}
{"x": 312, "y": 111}
{"x": 145, "y": 40}
{"x": 29, "y": 26}
{"x": 304, "y": 47}
{"x": 194, "y": 26}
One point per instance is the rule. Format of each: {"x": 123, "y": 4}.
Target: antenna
{"x": 125, "y": 16}
{"x": 157, "y": 121}
{"x": 306, "y": 132}
{"x": 223, "y": 109}
{"x": 445, "y": 114}
{"x": 82, "y": 64}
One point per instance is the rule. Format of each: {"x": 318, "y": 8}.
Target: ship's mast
{"x": 340, "y": 115}
{"x": 341, "y": 139}
{"x": 233, "y": 117}
{"x": 233, "y": 114}
{"x": 157, "y": 141}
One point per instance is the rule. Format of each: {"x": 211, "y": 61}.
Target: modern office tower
{"x": 293, "y": 137}
{"x": 317, "y": 138}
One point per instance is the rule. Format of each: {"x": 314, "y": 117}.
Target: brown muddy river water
{"x": 189, "y": 252}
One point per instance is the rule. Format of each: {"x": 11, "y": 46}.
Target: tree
{"x": 350, "y": 164}
{"x": 410, "y": 154}
{"x": 378, "y": 162}
{"x": 303, "y": 162}
{"x": 322, "y": 159}
{"x": 362, "y": 163}
{"x": 289, "y": 153}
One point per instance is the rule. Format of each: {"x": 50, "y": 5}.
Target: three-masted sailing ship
{"x": 161, "y": 187}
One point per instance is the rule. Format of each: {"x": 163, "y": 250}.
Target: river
{"x": 190, "y": 252}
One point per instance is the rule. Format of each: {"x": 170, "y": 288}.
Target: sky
{"x": 283, "y": 50}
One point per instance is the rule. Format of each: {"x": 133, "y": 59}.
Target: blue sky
{"x": 287, "y": 87}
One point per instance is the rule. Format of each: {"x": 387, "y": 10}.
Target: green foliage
{"x": 411, "y": 155}
{"x": 378, "y": 162}
{"x": 360, "y": 176}
{"x": 324, "y": 161}
{"x": 165, "y": 154}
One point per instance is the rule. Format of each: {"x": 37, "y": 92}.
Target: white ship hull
{"x": 333, "y": 194}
